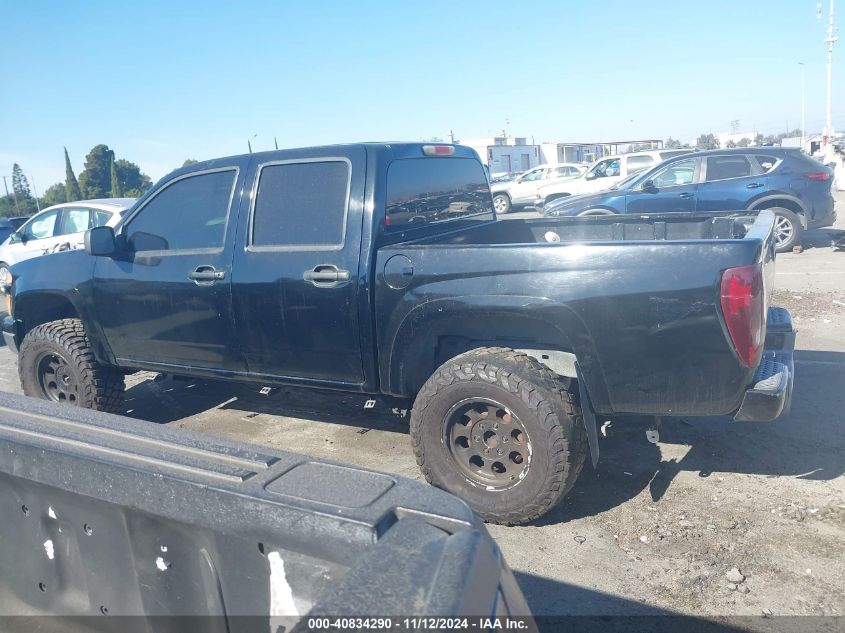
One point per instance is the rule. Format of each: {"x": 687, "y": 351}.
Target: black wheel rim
{"x": 56, "y": 379}
{"x": 488, "y": 443}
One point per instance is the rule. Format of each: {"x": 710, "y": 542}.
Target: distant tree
{"x": 7, "y": 207}
{"x": 55, "y": 194}
{"x": 72, "y": 191}
{"x": 132, "y": 182}
{"x": 95, "y": 179}
{"x": 189, "y": 161}
{"x": 672, "y": 143}
{"x": 759, "y": 140}
{"x": 730, "y": 144}
{"x": 771, "y": 139}
{"x": 744, "y": 142}
{"x": 707, "y": 141}
{"x": 20, "y": 185}
{"x": 116, "y": 190}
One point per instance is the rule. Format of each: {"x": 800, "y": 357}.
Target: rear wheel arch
{"x": 598, "y": 211}
{"x": 783, "y": 202}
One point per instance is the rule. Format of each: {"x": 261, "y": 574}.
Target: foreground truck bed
{"x": 108, "y": 516}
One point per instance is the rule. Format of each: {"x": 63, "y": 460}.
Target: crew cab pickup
{"x": 382, "y": 269}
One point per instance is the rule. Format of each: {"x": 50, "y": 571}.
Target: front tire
{"x": 57, "y": 363}
{"x": 788, "y": 229}
{"x": 4, "y": 272}
{"x": 501, "y": 203}
{"x": 501, "y": 431}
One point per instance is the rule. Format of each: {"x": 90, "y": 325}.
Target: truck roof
{"x": 399, "y": 149}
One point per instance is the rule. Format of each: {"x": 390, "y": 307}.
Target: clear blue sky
{"x": 163, "y": 81}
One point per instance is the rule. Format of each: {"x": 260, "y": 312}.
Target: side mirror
{"x": 100, "y": 241}
{"x": 590, "y": 175}
{"x": 518, "y": 179}
{"x": 15, "y": 238}
{"x": 649, "y": 185}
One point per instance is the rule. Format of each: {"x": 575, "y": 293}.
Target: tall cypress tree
{"x": 71, "y": 184}
{"x": 20, "y": 185}
{"x": 116, "y": 191}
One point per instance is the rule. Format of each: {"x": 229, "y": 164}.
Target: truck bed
{"x": 109, "y": 516}
{"x": 634, "y": 299}
{"x": 611, "y": 228}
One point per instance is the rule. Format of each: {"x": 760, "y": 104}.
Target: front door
{"x": 295, "y": 281}
{"x": 165, "y": 300}
{"x": 668, "y": 190}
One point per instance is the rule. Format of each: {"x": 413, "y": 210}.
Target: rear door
{"x": 672, "y": 189}
{"x": 729, "y": 182}
{"x": 295, "y": 279}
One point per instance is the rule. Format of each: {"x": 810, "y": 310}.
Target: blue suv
{"x": 790, "y": 183}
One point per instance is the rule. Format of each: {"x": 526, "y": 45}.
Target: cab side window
{"x": 188, "y": 214}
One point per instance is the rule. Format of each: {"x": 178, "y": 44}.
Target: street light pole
{"x": 803, "y": 105}
{"x": 830, "y": 40}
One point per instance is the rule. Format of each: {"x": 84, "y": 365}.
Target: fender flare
{"x": 770, "y": 197}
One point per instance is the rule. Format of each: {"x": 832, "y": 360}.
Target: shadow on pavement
{"x": 821, "y": 238}
{"x": 167, "y": 400}
{"x": 807, "y": 443}
{"x": 563, "y": 608}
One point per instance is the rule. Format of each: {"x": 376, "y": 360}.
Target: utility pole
{"x": 35, "y": 193}
{"x": 803, "y": 105}
{"x": 830, "y": 40}
{"x": 452, "y": 137}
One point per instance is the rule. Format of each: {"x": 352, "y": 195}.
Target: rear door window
{"x": 301, "y": 204}
{"x": 426, "y": 190}
{"x": 767, "y": 163}
{"x": 74, "y": 221}
{"x": 725, "y": 167}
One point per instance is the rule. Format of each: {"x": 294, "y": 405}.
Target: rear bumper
{"x": 11, "y": 329}
{"x": 826, "y": 218}
{"x": 770, "y": 395}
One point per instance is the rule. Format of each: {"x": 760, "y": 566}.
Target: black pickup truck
{"x": 381, "y": 269}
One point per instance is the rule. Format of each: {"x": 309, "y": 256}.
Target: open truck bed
{"x": 109, "y": 516}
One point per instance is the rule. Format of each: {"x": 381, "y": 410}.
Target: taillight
{"x": 438, "y": 150}
{"x": 819, "y": 175}
{"x": 744, "y": 308}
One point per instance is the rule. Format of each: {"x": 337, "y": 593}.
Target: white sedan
{"x": 60, "y": 227}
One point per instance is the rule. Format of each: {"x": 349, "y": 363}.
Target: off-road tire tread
{"x": 555, "y": 402}
{"x": 101, "y": 388}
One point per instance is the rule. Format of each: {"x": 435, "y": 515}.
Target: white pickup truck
{"x": 603, "y": 174}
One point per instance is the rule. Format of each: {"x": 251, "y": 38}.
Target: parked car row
{"x": 522, "y": 190}
{"x": 796, "y": 187}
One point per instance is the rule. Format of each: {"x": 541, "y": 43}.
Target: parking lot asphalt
{"x": 653, "y": 526}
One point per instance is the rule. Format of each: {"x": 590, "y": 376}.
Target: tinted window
{"x": 537, "y": 174}
{"x": 187, "y": 214}
{"x": 301, "y": 204}
{"x": 559, "y": 172}
{"x": 676, "y": 174}
{"x": 42, "y": 226}
{"x": 421, "y": 190}
{"x": 723, "y": 167}
{"x": 74, "y": 221}
{"x": 638, "y": 163}
{"x": 766, "y": 162}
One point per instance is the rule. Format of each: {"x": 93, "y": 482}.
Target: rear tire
{"x": 57, "y": 363}
{"x": 788, "y": 229}
{"x": 501, "y": 203}
{"x": 502, "y": 432}
{"x": 4, "y": 272}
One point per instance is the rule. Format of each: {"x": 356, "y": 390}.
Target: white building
{"x": 505, "y": 154}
